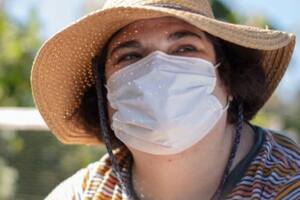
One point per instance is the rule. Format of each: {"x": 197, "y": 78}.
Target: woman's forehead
{"x": 161, "y": 25}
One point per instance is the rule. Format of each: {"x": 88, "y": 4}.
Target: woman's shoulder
{"x": 72, "y": 187}
{"x": 281, "y": 151}
{"x": 87, "y": 181}
{"x": 274, "y": 172}
{"x": 284, "y": 163}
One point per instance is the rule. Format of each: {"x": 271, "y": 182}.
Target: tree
{"x": 18, "y": 44}
{"x": 31, "y": 162}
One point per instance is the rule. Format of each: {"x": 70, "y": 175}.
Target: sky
{"x": 286, "y": 16}
{"x": 54, "y": 15}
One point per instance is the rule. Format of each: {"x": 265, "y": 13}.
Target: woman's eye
{"x": 128, "y": 57}
{"x": 186, "y": 48}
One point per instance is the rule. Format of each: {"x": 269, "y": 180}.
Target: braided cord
{"x": 104, "y": 127}
{"x": 238, "y": 130}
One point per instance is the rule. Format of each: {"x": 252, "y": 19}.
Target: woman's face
{"x": 168, "y": 34}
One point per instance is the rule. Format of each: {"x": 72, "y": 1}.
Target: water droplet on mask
{"x": 129, "y": 83}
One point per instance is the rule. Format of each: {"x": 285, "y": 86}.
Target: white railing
{"x": 18, "y": 118}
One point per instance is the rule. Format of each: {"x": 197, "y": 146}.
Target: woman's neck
{"x": 191, "y": 174}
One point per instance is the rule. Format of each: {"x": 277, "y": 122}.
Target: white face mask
{"x": 164, "y": 102}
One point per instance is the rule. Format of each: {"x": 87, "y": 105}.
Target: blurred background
{"x": 32, "y": 161}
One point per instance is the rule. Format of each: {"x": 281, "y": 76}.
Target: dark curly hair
{"x": 240, "y": 71}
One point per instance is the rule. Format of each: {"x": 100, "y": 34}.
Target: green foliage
{"x": 31, "y": 163}
{"x": 8, "y": 177}
{"x": 40, "y": 162}
{"x": 292, "y": 115}
{"x": 222, "y": 12}
{"x": 18, "y": 44}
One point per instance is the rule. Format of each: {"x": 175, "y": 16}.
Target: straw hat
{"x": 62, "y": 70}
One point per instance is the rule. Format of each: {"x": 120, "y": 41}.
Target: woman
{"x": 170, "y": 91}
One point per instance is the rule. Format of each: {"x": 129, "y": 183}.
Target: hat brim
{"x": 61, "y": 70}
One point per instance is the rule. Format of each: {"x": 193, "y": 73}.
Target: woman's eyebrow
{"x": 127, "y": 44}
{"x": 173, "y": 36}
{"x": 183, "y": 33}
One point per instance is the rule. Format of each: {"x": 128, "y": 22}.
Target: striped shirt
{"x": 271, "y": 170}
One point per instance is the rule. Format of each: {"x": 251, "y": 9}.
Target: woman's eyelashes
{"x": 128, "y": 57}
{"x": 135, "y": 55}
{"x": 186, "y": 48}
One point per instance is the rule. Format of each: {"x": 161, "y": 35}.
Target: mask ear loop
{"x": 217, "y": 65}
{"x": 228, "y": 100}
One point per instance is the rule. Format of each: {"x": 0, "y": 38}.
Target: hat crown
{"x": 196, "y": 6}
